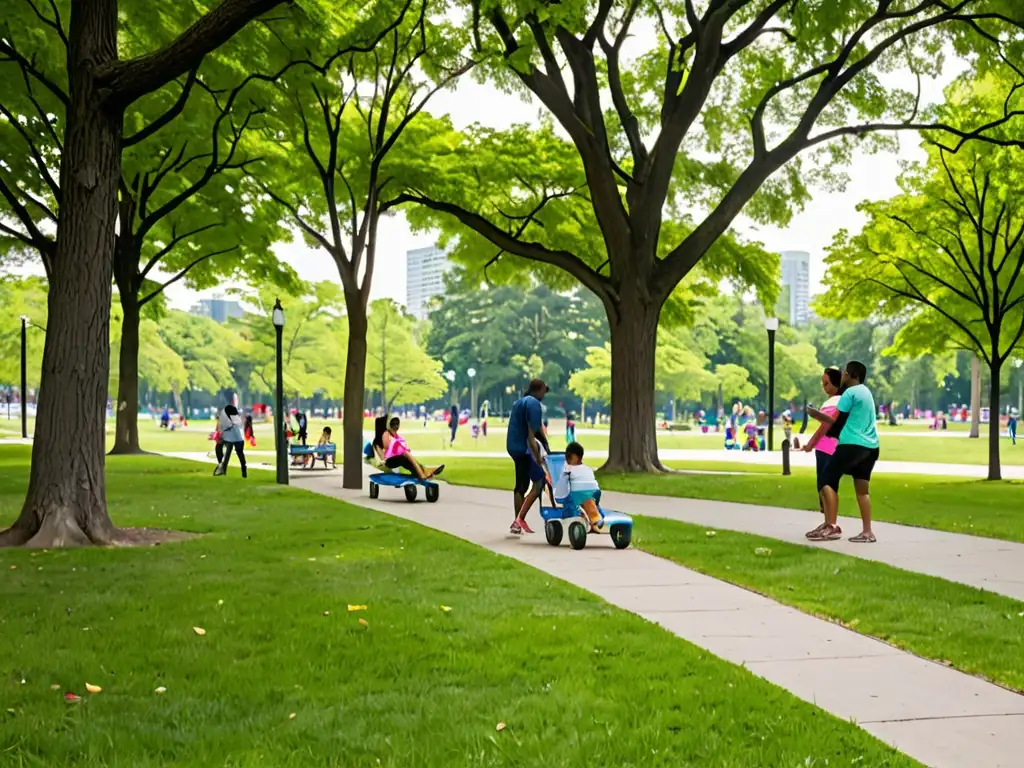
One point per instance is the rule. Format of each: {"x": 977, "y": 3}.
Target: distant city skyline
{"x": 425, "y": 269}
{"x": 795, "y": 297}
{"x": 217, "y": 309}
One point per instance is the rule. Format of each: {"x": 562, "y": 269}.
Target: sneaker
{"x": 813, "y": 533}
{"x": 827, "y": 533}
{"x": 220, "y": 470}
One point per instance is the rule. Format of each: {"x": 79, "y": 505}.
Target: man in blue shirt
{"x": 523, "y": 442}
{"x": 855, "y": 455}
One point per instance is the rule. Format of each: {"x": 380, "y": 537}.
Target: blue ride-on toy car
{"x": 391, "y": 478}
{"x": 565, "y": 515}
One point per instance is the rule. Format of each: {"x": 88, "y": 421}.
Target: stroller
{"x": 618, "y": 525}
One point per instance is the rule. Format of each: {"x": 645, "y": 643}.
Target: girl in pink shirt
{"x": 398, "y": 456}
{"x": 824, "y": 446}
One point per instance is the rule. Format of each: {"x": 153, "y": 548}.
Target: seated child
{"x": 397, "y": 454}
{"x": 325, "y": 439}
{"x": 580, "y": 486}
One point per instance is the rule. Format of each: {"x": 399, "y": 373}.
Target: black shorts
{"x": 527, "y": 472}
{"x": 821, "y": 460}
{"x": 853, "y": 460}
{"x": 400, "y": 462}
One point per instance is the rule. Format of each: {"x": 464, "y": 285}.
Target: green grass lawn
{"x": 946, "y": 504}
{"x": 975, "y": 631}
{"x": 577, "y": 682}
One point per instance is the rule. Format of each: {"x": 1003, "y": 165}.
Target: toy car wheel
{"x": 621, "y": 535}
{"x": 410, "y": 493}
{"x": 433, "y": 493}
{"x": 577, "y": 535}
{"x": 553, "y": 532}
{"x": 374, "y": 490}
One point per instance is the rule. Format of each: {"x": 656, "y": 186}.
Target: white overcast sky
{"x": 871, "y": 177}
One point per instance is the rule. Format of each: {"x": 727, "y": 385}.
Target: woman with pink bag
{"x": 824, "y": 446}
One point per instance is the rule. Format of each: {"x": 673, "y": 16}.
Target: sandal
{"x": 515, "y": 530}
{"x": 864, "y": 538}
{"x": 521, "y": 522}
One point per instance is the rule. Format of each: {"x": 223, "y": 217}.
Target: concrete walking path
{"x": 941, "y": 717}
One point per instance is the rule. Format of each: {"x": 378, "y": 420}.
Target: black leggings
{"x": 238, "y": 448}
{"x": 401, "y": 462}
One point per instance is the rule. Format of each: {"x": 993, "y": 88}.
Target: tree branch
{"x": 167, "y": 116}
{"x": 184, "y": 272}
{"x": 128, "y": 80}
{"x": 175, "y": 239}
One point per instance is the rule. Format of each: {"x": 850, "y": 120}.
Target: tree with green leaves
{"x": 184, "y": 202}
{"x": 66, "y": 500}
{"x": 22, "y": 297}
{"x": 397, "y": 367}
{"x": 711, "y": 115}
{"x": 313, "y": 339}
{"x": 496, "y": 329}
{"x": 943, "y": 260}
{"x": 350, "y": 136}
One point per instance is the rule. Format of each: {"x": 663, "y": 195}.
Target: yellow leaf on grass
{"x": 446, "y": 608}
{"x": 500, "y": 727}
{"x": 199, "y": 631}
{"x": 291, "y": 716}
{"x": 92, "y": 688}
{"x": 352, "y": 608}
{"x": 160, "y": 690}
{"x": 55, "y": 687}
{"x": 364, "y": 622}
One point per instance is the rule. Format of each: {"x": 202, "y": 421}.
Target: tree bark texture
{"x": 975, "y": 397}
{"x": 126, "y": 410}
{"x": 66, "y": 501}
{"x": 632, "y": 441}
{"x": 355, "y": 378}
{"x": 994, "y": 466}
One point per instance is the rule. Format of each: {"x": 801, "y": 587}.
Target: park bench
{"x": 311, "y": 453}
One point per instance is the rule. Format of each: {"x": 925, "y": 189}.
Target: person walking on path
{"x": 823, "y": 445}
{"x": 855, "y": 455}
{"x": 1011, "y": 426}
{"x": 523, "y": 441}
{"x": 233, "y": 438}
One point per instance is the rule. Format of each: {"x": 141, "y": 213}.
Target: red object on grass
{"x": 72, "y": 697}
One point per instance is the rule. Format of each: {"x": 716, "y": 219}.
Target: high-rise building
{"x": 795, "y": 297}
{"x": 425, "y": 269}
{"x": 217, "y": 309}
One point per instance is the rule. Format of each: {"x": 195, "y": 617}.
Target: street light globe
{"x": 450, "y": 375}
{"x": 278, "y": 314}
{"x": 771, "y": 323}
{"x": 471, "y": 372}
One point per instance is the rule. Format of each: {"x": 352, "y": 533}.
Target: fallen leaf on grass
{"x": 220, "y": 602}
{"x": 291, "y": 716}
{"x": 199, "y": 631}
{"x": 55, "y": 687}
{"x": 446, "y": 608}
{"x": 499, "y": 727}
{"x": 11, "y": 711}
{"x": 762, "y": 551}
{"x": 72, "y": 697}
{"x": 327, "y": 613}
{"x": 92, "y": 688}
{"x": 364, "y": 622}
{"x": 160, "y": 690}
{"x": 352, "y": 608}
{"x": 14, "y": 567}
{"x": 710, "y": 533}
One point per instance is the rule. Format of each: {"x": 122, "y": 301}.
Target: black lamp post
{"x": 279, "y": 441}
{"x": 24, "y": 379}
{"x": 771, "y": 324}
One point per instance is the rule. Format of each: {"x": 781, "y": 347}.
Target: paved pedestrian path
{"x": 942, "y": 717}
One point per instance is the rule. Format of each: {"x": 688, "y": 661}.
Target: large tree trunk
{"x": 126, "y": 431}
{"x": 632, "y": 441}
{"x": 975, "y": 397}
{"x": 355, "y": 382}
{"x": 994, "y": 468}
{"x": 66, "y": 503}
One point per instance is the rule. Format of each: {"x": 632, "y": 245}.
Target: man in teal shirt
{"x": 855, "y": 455}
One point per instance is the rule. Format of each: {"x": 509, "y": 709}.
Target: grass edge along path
{"x": 285, "y": 674}
{"x": 954, "y": 505}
